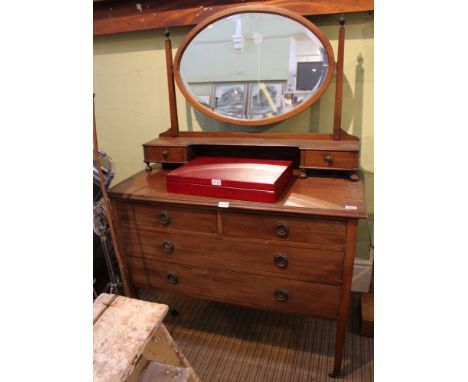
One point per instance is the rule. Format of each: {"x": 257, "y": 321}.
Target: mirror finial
{"x": 342, "y": 19}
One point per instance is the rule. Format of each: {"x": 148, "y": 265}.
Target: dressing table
{"x": 295, "y": 255}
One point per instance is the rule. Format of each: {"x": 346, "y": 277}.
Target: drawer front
{"x": 278, "y": 260}
{"x": 165, "y": 217}
{"x": 304, "y": 230}
{"x": 165, "y": 154}
{"x": 251, "y": 290}
{"x": 330, "y": 159}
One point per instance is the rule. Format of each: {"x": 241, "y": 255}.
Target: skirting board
{"x": 362, "y": 273}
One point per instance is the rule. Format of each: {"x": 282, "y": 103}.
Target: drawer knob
{"x": 282, "y": 229}
{"x": 329, "y": 159}
{"x": 165, "y": 154}
{"x": 167, "y": 246}
{"x": 281, "y": 295}
{"x": 172, "y": 278}
{"x": 164, "y": 218}
{"x": 281, "y": 260}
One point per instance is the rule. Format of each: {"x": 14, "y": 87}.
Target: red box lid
{"x": 262, "y": 174}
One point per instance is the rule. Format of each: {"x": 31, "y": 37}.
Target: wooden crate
{"x": 132, "y": 344}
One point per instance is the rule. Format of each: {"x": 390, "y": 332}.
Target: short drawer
{"x": 293, "y": 296}
{"x": 307, "y": 264}
{"x": 330, "y": 159}
{"x": 288, "y": 228}
{"x": 166, "y": 217}
{"x": 165, "y": 154}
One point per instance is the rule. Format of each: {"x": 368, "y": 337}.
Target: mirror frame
{"x": 253, "y": 9}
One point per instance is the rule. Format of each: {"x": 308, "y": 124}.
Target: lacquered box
{"x": 258, "y": 180}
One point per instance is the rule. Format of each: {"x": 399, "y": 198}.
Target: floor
{"x": 228, "y": 343}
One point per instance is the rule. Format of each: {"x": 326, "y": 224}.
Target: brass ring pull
{"x": 172, "y": 278}
{"x": 281, "y": 295}
{"x": 164, "y": 218}
{"x": 329, "y": 159}
{"x": 280, "y": 260}
{"x": 167, "y": 246}
{"x": 282, "y": 229}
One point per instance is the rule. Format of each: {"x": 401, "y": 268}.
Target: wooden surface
{"x": 305, "y": 262}
{"x": 316, "y": 299}
{"x": 248, "y": 8}
{"x": 124, "y": 16}
{"x": 367, "y": 314}
{"x": 319, "y": 196}
{"x": 122, "y": 329}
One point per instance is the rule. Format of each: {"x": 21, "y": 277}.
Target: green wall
{"x": 132, "y": 105}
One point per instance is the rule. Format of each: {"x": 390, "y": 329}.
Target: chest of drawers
{"x": 295, "y": 255}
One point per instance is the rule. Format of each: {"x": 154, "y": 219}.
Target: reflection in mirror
{"x": 252, "y": 66}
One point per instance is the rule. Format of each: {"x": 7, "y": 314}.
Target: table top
{"x": 322, "y": 194}
{"x": 122, "y": 328}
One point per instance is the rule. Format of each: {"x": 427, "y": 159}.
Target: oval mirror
{"x": 254, "y": 65}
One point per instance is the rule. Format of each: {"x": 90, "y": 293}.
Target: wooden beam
{"x": 130, "y": 15}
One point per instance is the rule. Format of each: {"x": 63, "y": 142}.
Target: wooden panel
{"x": 125, "y": 16}
{"x": 329, "y": 159}
{"x": 303, "y": 263}
{"x": 144, "y": 216}
{"x": 165, "y": 154}
{"x": 316, "y": 299}
{"x": 319, "y": 195}
{"x": 320, "y": 231}
{"x": 120, "y": 335}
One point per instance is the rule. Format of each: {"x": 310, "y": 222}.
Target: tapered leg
{"x": 342, "y": 322}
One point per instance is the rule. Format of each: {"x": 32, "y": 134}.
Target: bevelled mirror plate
{"x": 254, "y": 67}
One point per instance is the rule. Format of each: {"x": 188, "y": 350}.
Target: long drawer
{"x": 290, "y": 228}
{"x": 251, "y": 290}
{"x": 278, "y": 259}
{"x": 167, "y": 217}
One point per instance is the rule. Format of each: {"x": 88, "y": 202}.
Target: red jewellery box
{"x": 258, "y": 180}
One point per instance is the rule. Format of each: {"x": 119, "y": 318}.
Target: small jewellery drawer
{"x": 330, "y": 159}
{"x": 277, "y": 227}
{"x": 278, "y": 260}
{"x": 293, "y": 296}
{"x": 165, "y": 154}
{"x": 167, "y": 217}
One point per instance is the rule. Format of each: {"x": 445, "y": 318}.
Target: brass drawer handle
{"x": 164, "y": 218}
{"x": 282, "y": 229}
{"x": 280, "y": 260}
{"x": 172, "y": 278}
{"x": 329, "y": 160}
{"x": 281, "y": 295}
{"x": 165, "y": 154}
{"x": 167, "y": 246}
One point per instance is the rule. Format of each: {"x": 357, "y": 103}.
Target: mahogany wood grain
{"x": 321, "y": 231}
{"x": 323, "y": 195}
{"x": 164, "y": 154}
{"x": 350, "y": 252}
{"x": 306, "y": 264}
{"x": 189, "y": 219}
{"x": 303, "y": 142}
{"x": 174, "y": 129}
{"x": 339, "y": 84}
{"x": 123, "y": 16}
{"x": 253, "y": 134}
{"x": 250, "y": 9}
{"x": 320, "y": 300}
{"x": 329, "y": 159}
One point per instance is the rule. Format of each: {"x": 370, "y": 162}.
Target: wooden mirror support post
{"x": 174, "y": 129}
{"x": 339, "y": 82}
